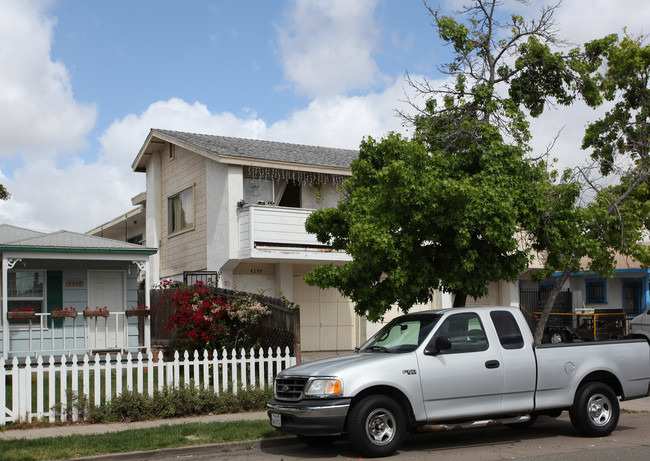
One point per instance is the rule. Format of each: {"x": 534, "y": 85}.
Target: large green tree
{"x": 415, "y": 221}
{"x": 444, "y": 210}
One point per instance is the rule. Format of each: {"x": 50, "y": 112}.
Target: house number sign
{"x": 74, "y": 283}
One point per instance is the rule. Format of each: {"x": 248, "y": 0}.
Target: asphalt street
{"x": 547, "y": 440}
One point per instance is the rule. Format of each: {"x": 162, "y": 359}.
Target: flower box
{"x": 21, "y": 315}
{"x": 95, "y": 313}
{"x": 137, "y": 312}
{"x": 62, "y": 314}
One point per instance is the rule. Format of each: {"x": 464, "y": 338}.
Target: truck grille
{"x": 289, "y": 388}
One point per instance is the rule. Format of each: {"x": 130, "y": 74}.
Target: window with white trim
{"x": 26, "y": 290}
{"x": 181, "y": 210}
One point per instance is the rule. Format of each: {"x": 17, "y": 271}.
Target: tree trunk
{"x": 460, "y": 299}
{"x": 548, "y": 307}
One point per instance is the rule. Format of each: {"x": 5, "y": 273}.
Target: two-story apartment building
{"x": 237, "y": 208}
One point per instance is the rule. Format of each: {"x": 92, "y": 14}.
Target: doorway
{"x": 632, "y": 293}
{"x": 105, "y": 289}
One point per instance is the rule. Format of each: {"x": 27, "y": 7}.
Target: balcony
{"x": 278, "y": 233}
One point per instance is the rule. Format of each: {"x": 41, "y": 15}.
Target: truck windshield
{"x": 403, "y": 334}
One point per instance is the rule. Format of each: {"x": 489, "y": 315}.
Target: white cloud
{"x": 326, "y": 46}
{"x": 75, "y": 197}
{"x": 38, "y": 112}
{"x": 584, "y": 20}
{"x": 339, "y": 121}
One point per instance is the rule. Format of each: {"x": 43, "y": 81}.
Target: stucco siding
{"x": 184, "y": 250}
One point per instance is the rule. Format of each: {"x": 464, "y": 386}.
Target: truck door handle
{"x": 492, "y": 364}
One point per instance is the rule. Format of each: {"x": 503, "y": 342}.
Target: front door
{"x": 467, "y": 379}
{"x": 106, "y": 289}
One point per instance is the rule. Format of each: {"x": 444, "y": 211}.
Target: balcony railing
{"x": 279, "y": 233}
{"x": 44, "y": 334}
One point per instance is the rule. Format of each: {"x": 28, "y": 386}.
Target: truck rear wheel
{"x": 376, "y": 426}
{"x": 595, "y": 410}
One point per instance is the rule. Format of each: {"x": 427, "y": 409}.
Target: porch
{"x": 50, "y": 334}
{"x": 48, "y": 281}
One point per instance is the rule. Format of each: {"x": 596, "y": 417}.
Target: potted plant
{"x": 96, "y": 312}
{"x": 22, "y": 313}
{"x": 58, "y": 313}
{"x": 138, "y": 311}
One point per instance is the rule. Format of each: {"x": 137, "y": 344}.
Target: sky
{"x": 83, "y": 81}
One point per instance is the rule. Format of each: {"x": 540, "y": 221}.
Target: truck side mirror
{"x": 441, "y": 343}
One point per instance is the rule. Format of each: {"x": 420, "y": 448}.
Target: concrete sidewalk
{"x": 82, "y": 429}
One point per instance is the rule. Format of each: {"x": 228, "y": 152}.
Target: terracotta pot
{"x": 137, "y": 312}
{"x": 21, "y": 315}
{"x": 95, "y": 313}
{"x": 61, "y": 314}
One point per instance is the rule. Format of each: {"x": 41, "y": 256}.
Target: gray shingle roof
{"x": 15, "y": 237}
{"x": 267, "y": 150}
{"x": 10, "y": 234}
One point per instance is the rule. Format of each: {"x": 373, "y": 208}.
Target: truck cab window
{"x": 507, "y": 329}
{"x": 465, "y": 332}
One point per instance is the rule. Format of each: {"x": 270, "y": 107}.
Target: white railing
{"x": 80, "y": 334}
{"x": 280, "y": 230}
{"x": 55, "y": 381}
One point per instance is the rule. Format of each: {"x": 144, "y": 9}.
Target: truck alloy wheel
{"x": 595, "y": 410}
{"x": 376, "y": 426}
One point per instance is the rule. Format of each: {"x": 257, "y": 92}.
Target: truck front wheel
{"x": 595, "y": 410}
{"x": 376, "y": 426}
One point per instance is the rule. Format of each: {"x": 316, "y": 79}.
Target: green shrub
{"x": 176, "y": 402}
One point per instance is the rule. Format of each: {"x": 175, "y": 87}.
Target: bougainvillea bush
{"x": 205, "y": 321}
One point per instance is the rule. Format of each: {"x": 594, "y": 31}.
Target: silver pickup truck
{"x": 452, "y": 368}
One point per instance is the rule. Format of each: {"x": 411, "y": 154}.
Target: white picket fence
{"x": 107, "y": 374}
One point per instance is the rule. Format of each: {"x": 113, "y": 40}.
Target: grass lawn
{"x": 135, "y": 440}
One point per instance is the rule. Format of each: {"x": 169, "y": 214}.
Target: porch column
{"x": 510, "y": 294}
{"x": 284, "y": 280}
{"x": 5, "y": 323}
{"x": 147, "y": 301}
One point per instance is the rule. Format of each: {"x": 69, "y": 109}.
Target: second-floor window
{"x": 596, "y": 291}
{"x": 181, "y": 210}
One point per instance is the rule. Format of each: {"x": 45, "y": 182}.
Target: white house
{"x": 46, "y": 274}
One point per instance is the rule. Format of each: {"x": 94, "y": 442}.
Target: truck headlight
{"x": 323, "y": 387}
